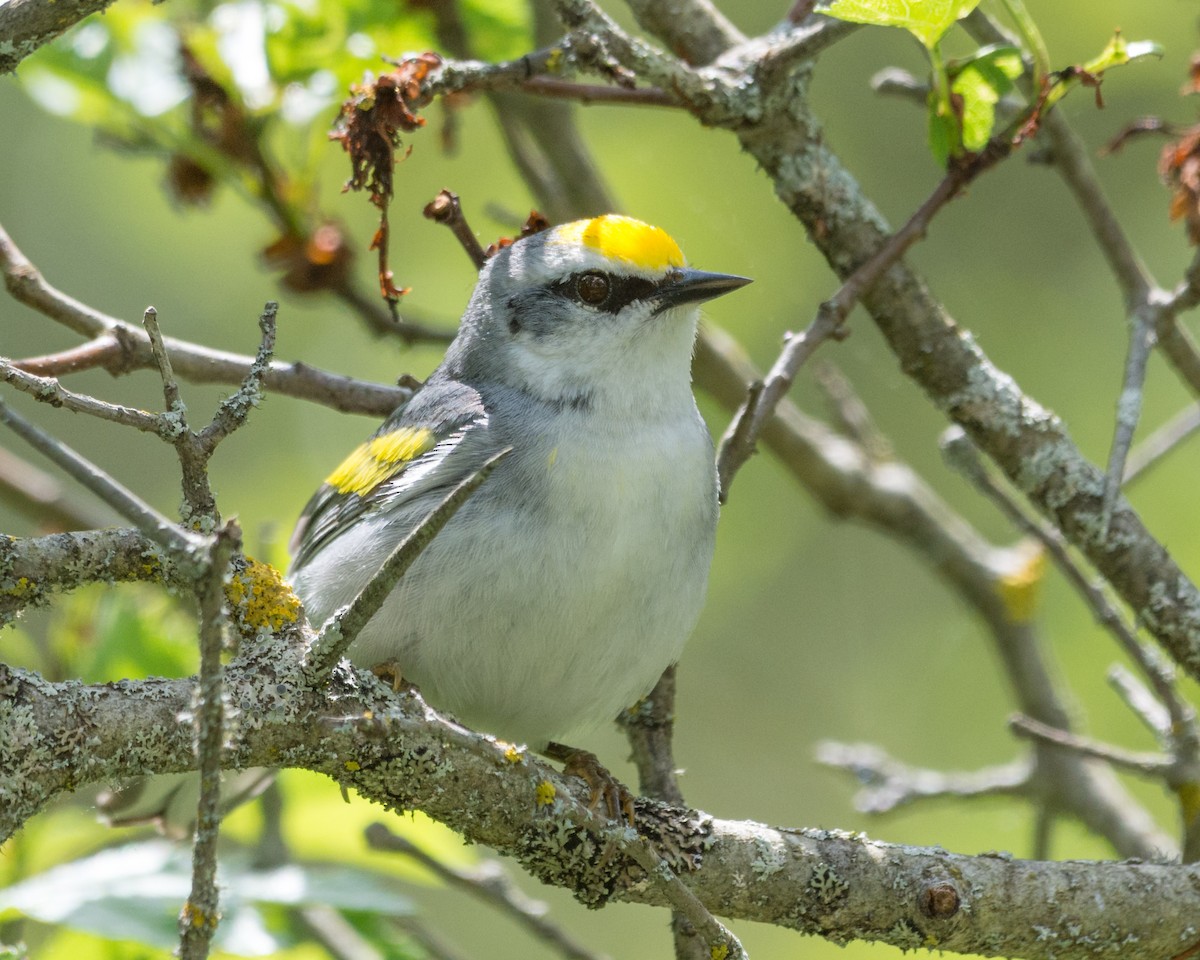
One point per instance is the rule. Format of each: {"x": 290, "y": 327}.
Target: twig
{"x": 1147, "y": 764}
{"x": 431, "y": 943}
{"x": 1139, "y": 699}
{"x": 1166, "y": 438}
{"x": 27, "y": 25}
{"x": 199, "y": 507}
{"x": 107, "y": 350}
{"x": 343, "y": 627}
{"x": 195, "y": 448}
{"x": 1142, "y": 339}
{"x": 740, "y": 438}
{"x": 49, "y": 390}
{"x": 888, "y": 784}
{"x": 710, "y": 33}
{"x": 42, "y": 498}
{"x": 162, "y": 360}
{"x": 200, "y": 915}
{"x": 488, "y": 882}
{"x": 336, "y": 934}
{"x": 962, "y": 455}
{"x": 850, "y": 412}
{"x": 587, "y": 93}
{"x": 1043, "y": 828}
{"x": 649, "y": 725}
{"x": 446, "y": 210}
{"x": 232, "y": 412}
{"x": 380, "y": 321}
{"x": 779, "y": 52}
{"x": 124, "y": 501}
{"x": 120, "y": 347}
{"x": 720, "y": 940}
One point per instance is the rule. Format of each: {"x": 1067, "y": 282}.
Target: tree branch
{"x": 120, "y": 347}
{"x": 26, "y": 25}
{"x": 396, "y": 752}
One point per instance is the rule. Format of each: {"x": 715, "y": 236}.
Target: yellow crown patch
{"x": 623, "y": 238}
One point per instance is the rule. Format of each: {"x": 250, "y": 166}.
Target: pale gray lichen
{"x": 827, "y": 885}
{"x": 769, "y": 858}
{"x": 905, "y": 935}
{"x": 562, "y": 854}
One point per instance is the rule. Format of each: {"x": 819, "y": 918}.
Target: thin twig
{"x": 740, "y": 438}
{"x": 888, "y": 784}
{"x": 960, "y": 452}
{"x": 232, "y": 412}
{"x": 1141, "y": 701}
{"x": 200, "y": 915}
{"x": 162, "y": 360}
{"x": 106, "y": 350}
{"x": 42, "y": 498}
{"x": 649, "y": 725}
{"x": 588, "y": 93}
{"x": 49, "y": 390}
{"x": 120, "y": 347}
{"x": 124, "y": 501}
{"x": 446, "y": 209}
{"x": 1162, "y": 441}
{"x": 1142, "y": 339}
{"x": 850, "y": 413}
{"x": 343, "y": 627}
{"x": 720, "y": 940}
{"x": 488, "y": 882}
{"x": 1147, "y": 764}
{"x": 431, "y": 943}
{"x": 336, "y": 934}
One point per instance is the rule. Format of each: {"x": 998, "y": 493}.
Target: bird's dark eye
{"x": 592, "y": 288}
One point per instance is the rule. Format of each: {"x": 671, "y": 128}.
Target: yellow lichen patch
{"x": 352, "y": 766}
{"x": 513, "y": 753}
{"x": 545, "y": 793}
{"x": 23, "y": 589}
{"x": 623, "y": 238}
{"x": 260, "y": 598}
{"x": 374, "y": 461}
{"x": 719, "y": 951}
{"x": 1020, "y": 588}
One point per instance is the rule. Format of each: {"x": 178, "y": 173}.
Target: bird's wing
{"x": 411, "y": 454}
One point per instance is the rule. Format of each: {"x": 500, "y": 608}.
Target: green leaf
{"x": 1117, "y": 53}
{"x": 134, "y": 892}
{"x": 944, "y": 135}
{"x": 927, "y": 20}
{"x": 1120, "y": 52}
{"x": 979, "y": 82}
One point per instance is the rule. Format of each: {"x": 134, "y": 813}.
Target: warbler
{"x": 571, "y": 579}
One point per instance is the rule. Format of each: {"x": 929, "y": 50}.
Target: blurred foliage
{"x": 963, "y": 94}
{"x": 820, "y": 630}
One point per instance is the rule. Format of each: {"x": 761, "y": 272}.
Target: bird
{"x": 572, "y": 578}
{"x": 559, "y": 592}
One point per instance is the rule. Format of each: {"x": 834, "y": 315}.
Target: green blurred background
{"x": 814, "y": 629}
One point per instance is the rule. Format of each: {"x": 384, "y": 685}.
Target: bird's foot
{"x": 608, "y": 795}
{"x": 391, "y": 673}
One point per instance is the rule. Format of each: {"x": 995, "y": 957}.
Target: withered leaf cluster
{"x": 369, "y": 127}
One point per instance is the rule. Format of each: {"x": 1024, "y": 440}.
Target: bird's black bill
{"x": 695, "y": 286}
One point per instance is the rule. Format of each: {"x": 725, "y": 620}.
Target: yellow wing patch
{"x": 624, "y": 238}
{"x": 374, "y": 461}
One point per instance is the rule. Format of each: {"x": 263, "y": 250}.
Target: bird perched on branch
{"x": 562, "y": 589}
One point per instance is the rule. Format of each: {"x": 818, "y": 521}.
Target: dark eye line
{"x": 622, "y": 290}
